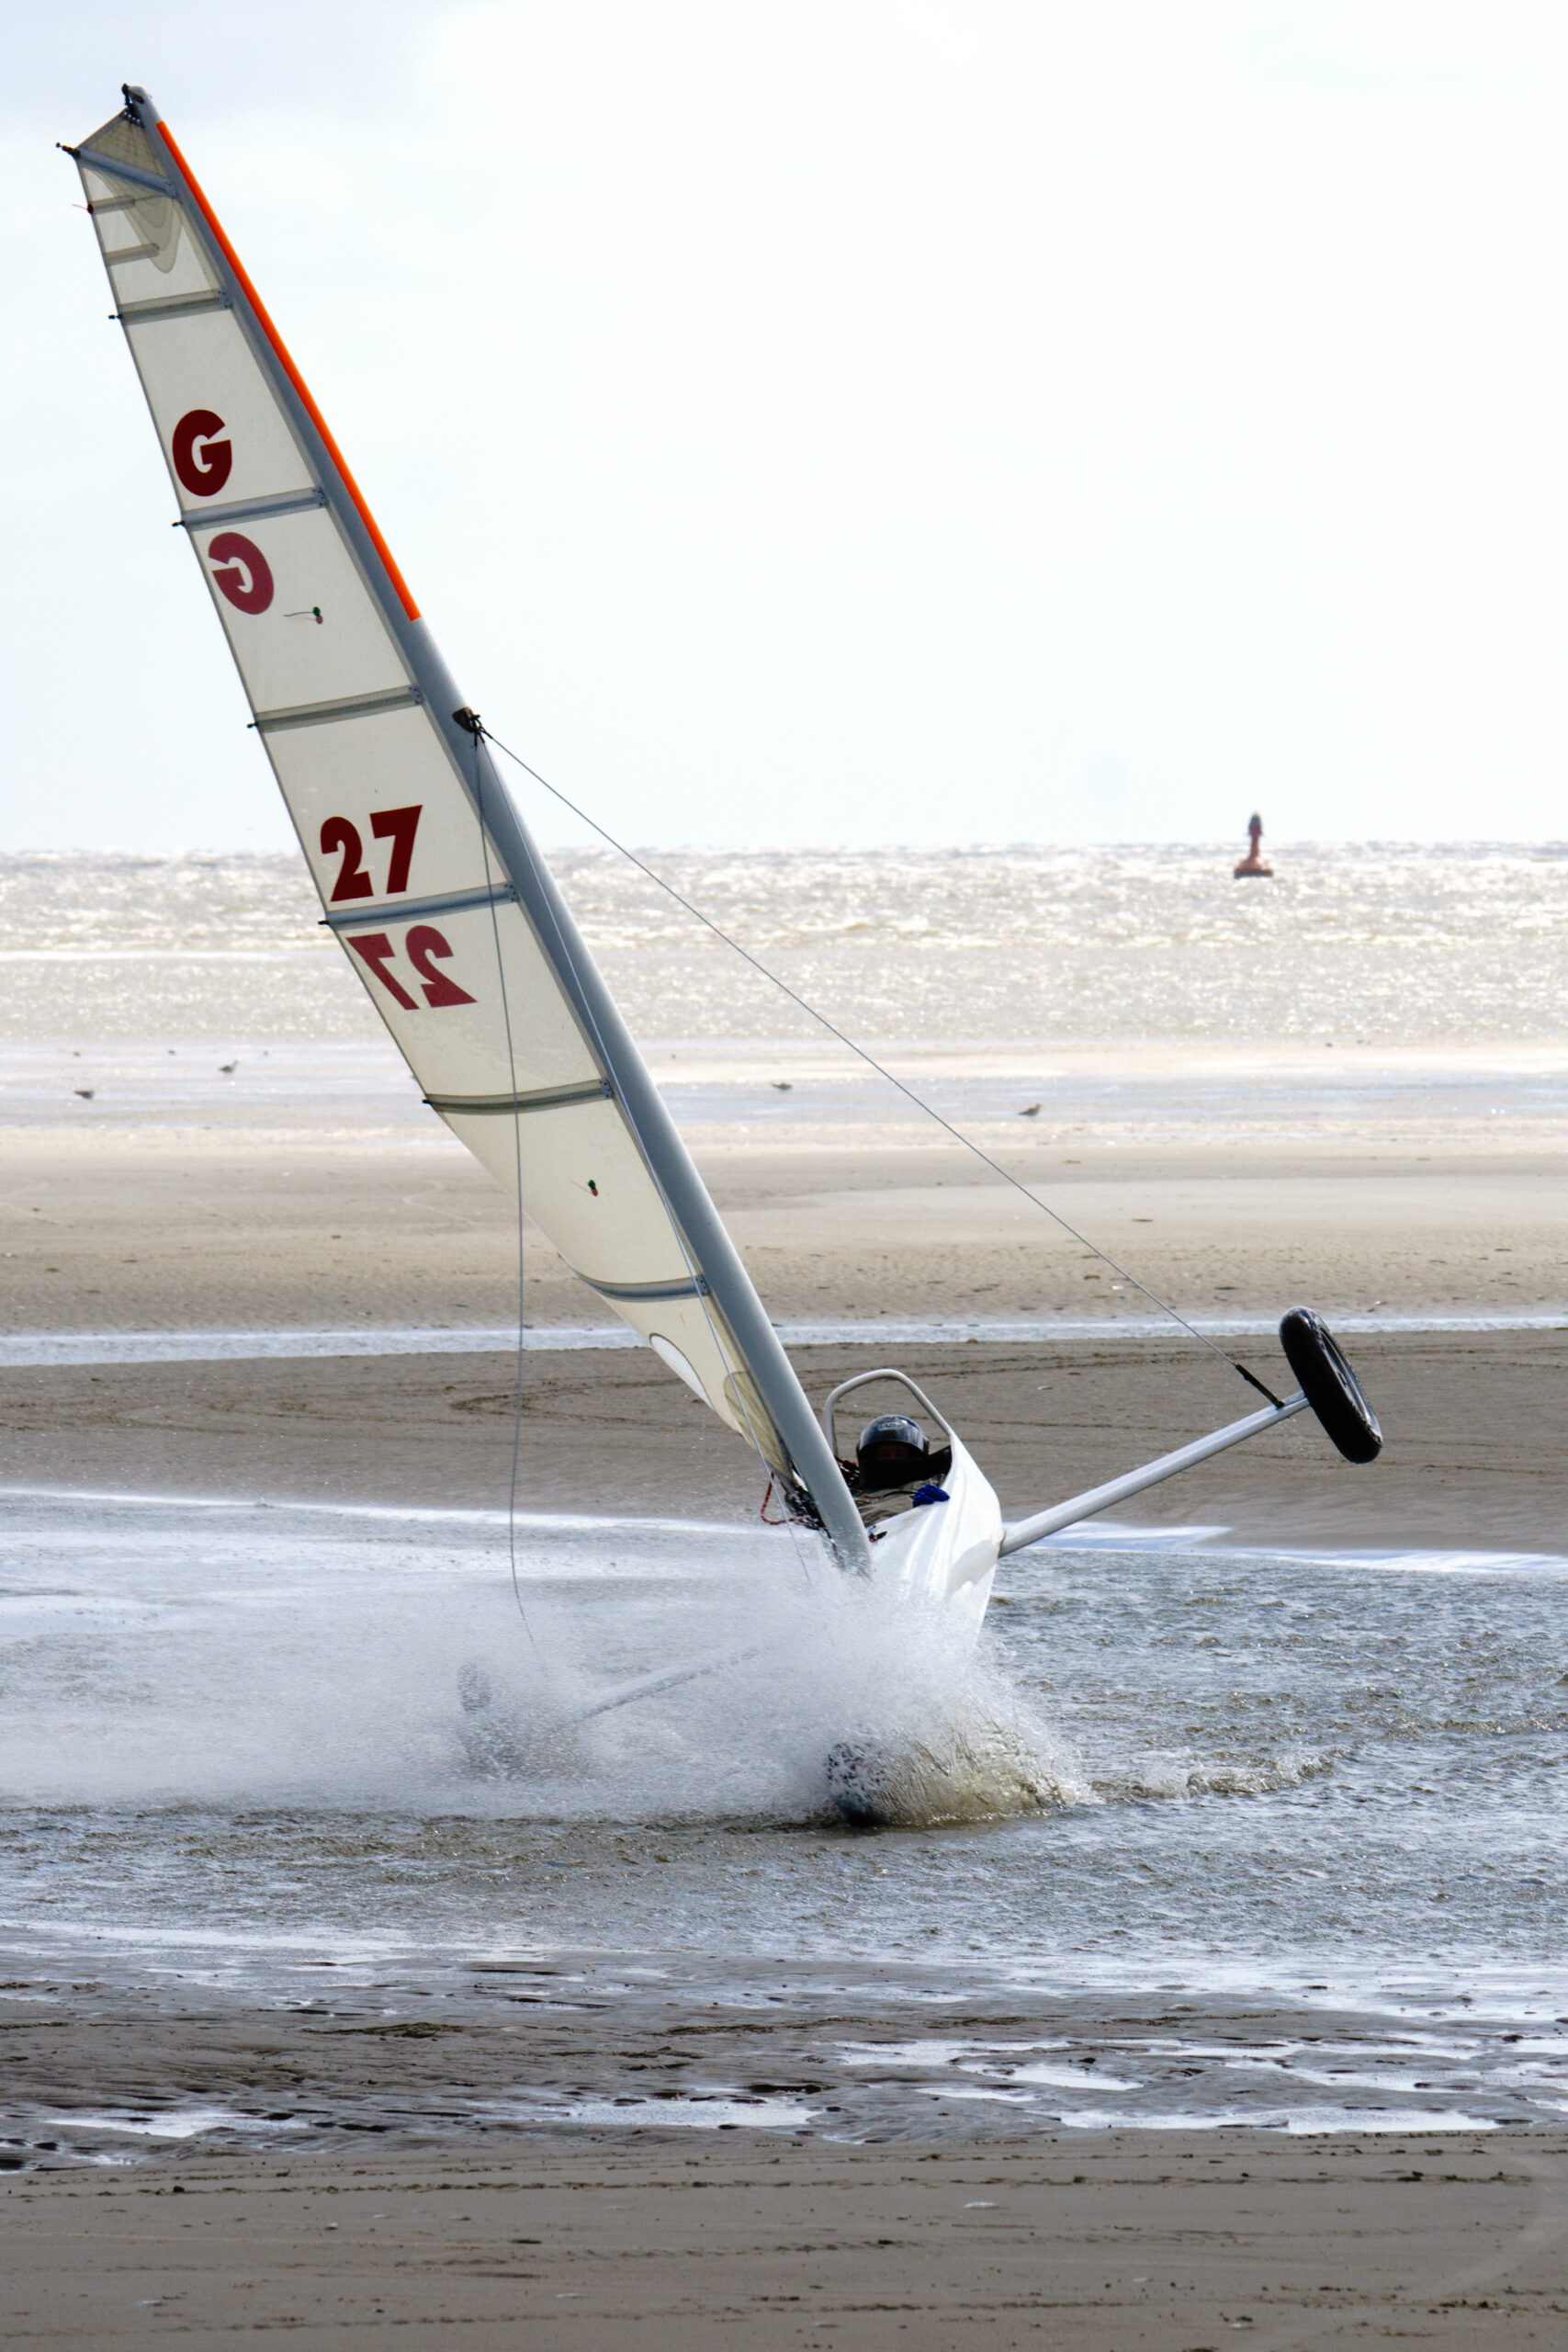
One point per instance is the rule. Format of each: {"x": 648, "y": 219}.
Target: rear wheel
{"x": 1329, "y": 1385}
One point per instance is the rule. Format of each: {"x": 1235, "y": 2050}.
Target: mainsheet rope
{"x": 871, "y": 1061}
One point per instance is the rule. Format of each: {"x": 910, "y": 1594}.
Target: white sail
{"x": 427, "y": 874}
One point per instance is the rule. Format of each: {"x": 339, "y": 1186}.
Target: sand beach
{"x": 1118, "y": 2242}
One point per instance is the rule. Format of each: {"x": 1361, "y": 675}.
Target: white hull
{"x": 944, "y": 1555}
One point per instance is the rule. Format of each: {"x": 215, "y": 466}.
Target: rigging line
{"x": 517, "y": 1152}
{"x": 871, "y": 1061}
{"x": 471, "y": 722}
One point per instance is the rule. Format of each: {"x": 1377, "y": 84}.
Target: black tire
{"x": 1329, "y": 1385}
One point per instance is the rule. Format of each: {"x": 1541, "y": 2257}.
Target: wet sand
{"x": 234, "y": 1228}
{"x": 413, "y": 2051}
{"x": 1476, "y": 1424}
{"x": 1120, "y": 2241}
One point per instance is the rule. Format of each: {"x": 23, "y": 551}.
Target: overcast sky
{"x": 807, "y": 420}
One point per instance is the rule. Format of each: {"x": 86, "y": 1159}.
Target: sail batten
{"x": 427, "y": 874}
{"x": 544, "y": 1098}
{"x": 254, "y": 510}
{"x": 490, "y": 894}
{"x": 325, "y": 714}
{"x": 695, "y": 1288}
{"x": 170, "y": 306}
{"x": 95, "y": 159}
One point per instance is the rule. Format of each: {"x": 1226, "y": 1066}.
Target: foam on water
{"x": 165, "y": 2123}
{"x": 672, "y": 2112}
{"x": 204, "y": 1653}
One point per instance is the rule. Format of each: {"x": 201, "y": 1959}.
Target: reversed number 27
{"x": 422, "y": 946}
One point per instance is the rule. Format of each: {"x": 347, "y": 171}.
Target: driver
{"x": 893, "y": 1466}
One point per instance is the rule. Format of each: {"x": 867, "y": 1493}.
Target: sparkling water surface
{"x": 1386, "y": 942}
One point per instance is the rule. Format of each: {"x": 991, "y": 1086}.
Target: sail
{"x": 427, "y": 873}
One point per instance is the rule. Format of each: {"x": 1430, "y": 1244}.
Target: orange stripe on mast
{"x": 289, "y": 369}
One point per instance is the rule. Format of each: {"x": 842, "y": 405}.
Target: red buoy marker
{"x": 1254, "y": 863}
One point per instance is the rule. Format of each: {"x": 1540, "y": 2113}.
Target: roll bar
{"x": 829, "y": 1416}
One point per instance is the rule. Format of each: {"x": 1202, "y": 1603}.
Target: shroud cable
{"x": 871, "y": 1061}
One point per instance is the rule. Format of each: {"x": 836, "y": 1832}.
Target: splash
{"x": 181, "y": 1656}
{"x": 832, "y": 1702}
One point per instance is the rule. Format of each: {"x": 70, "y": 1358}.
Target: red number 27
{"x": 423, "y": 943}
{"x": 341, "y": 839}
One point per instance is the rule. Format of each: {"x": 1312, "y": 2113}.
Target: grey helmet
{"x": 892, "y": 1452}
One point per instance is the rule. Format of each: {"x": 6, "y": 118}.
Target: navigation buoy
{"x": 1254, "y": 863}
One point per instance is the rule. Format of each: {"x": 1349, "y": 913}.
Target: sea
{"x": 1210, "y": 1836}
{"x": 1384, "y": 944}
